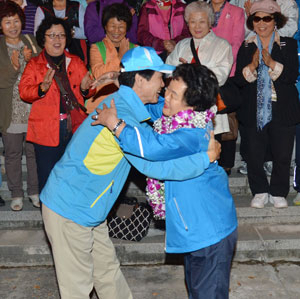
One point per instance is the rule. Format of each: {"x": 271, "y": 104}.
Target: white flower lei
{"x": 155, "y": 189}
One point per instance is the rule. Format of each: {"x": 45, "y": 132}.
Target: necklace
{"x": 58, "y": 65}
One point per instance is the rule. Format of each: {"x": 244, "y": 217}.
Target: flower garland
{"x": 155, "y": 189}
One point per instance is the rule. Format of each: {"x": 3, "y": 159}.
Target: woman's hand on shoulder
{"x": 27, "y": 53}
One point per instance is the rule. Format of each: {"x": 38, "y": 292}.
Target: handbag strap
{"x": 194, "y": 52}
{"x": 31, "y": 43}
{"x": 64, "y": 93}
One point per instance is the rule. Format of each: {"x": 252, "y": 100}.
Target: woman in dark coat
{"x": 267, "y": 69}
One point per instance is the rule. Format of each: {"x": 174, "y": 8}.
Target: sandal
{"x": 35, "y": 200}
{"x": 17, "y": 203}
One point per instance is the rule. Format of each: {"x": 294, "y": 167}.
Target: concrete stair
{"x": 267, "y": 234}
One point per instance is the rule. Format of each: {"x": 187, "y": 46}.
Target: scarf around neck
{"x": 264, "y": 88}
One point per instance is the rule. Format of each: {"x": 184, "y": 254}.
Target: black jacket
{"x": 286, "y": 111}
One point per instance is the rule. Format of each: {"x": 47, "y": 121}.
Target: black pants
{"x": 47, "y": 156}
{"x": 227, "y": 155}
{"x": 281, "y": 140}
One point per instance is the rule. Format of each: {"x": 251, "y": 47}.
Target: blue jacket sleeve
{"x": 152, "y": 146}
{"x": 155, "y": 110}
{"x": 180, "y": 169}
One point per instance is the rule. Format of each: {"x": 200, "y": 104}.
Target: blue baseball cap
{"x": 144, "y": 58}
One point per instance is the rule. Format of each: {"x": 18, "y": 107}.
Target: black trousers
{"x": 47, "y": 156}
{"x": 280, "y": 139}
{"x": 228, "y": 148}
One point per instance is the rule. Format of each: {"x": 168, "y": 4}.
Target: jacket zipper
{"x": 180, "y": 215}
{"x": 105, "y": 190}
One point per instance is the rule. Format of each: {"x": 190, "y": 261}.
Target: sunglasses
{"x": 266, "y": 19}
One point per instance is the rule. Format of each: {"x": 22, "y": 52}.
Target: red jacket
{"x": 43, "y": 123}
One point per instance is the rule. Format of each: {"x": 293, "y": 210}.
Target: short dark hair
{"x": 279, "y": 18}
{"x": 202, "y": 85}
{"x": 9, "y": 9}
{"x": 119, "y": 11}
{"x": 46, "y": 24}
{"x": 128, "y": 78}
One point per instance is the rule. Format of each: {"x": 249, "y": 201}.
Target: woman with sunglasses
{"x": 55, "y": 82}
{"x": 267, "y": 69}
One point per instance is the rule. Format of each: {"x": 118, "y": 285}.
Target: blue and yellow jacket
{"x": 86, "y": 182}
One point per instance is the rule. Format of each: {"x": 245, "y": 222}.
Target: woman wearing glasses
{"x": 267, "y": 69}
{"x": 55, "y": 83}
{"x": 16, "y": 50}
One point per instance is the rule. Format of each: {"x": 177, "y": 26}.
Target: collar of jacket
{"x": 134, "y": 102}
{"x": 42, "y": 59}
{"x": 210, "y": 36}
{"x": 253, "y": 39}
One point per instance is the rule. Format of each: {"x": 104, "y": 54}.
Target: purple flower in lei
{"x": 209, "y": 115}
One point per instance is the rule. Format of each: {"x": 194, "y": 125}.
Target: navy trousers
{"x": 47, "y": 156}
{"x": 207, "y": 271}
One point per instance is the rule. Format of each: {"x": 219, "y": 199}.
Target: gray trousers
{"x": 13, "y": 150}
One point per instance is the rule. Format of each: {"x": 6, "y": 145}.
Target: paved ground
{"x": 248, "y": 281}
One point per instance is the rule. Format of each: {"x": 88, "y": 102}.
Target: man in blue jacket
{"x": 86, "y": 182}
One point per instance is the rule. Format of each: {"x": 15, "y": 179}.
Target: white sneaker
{"x": 35, "y": 199}
{"x": 296, "y": 200}
{"x": 268, "y": 167}
{"x": 259, "y": 200}
{"x": 243, "y": 168}
{"x": 278, "y": 201}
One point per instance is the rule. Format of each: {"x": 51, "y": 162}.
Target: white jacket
{"x": 289, "y": 8}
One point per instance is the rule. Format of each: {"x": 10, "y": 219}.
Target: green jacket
{"x": 8, "y": 77}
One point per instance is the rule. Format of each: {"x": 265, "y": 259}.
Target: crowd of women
{"x": 47, "y": 48}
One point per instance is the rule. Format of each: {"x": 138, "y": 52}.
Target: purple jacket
{"x": 29, "y": 12}
{"x": 152, "y": 30}
{"x": 93, "y": 21}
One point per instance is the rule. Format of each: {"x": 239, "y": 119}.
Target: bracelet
{"x": 114, "y": 130}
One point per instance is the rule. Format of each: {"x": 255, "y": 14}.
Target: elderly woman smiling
{"x": 209, "y": 50}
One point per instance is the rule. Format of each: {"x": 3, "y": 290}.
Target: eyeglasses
{"x": 266, "y": 19}
{"x": 54, "y": 35}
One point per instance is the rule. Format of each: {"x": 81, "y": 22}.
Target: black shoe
{"x": 2, "y": 202}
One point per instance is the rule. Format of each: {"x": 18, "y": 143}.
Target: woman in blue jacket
{"x": 200, "y": 214}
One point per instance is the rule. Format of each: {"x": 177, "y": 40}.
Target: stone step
{"x": 30, "y": 217}
{"x": 266, "y": 235}
{"x": 135, "y": 185}
{"x": 264, "y": 243}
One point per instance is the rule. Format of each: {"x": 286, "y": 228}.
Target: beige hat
{"x": 267, "y": 6}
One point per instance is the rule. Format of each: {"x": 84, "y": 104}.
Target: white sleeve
{"x": 173, "y": 58}
{"x": 289, "y": 8}
{"x": 222, "y": 63}
{"x": 79, "y": 31}
{"x": 39, "y": 17}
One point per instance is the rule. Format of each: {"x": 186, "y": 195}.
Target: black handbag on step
{"x": 130, "y": 220}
